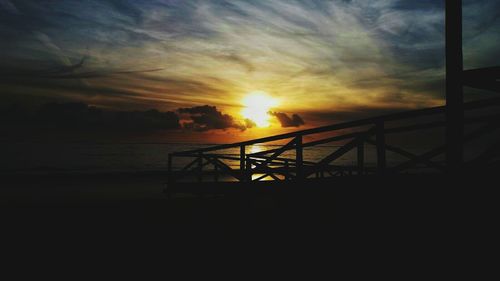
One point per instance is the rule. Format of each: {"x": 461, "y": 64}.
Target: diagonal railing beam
{"x": 275, "y": 155}
{"x": 343, "y": 150}
{"x": 441, "y": 149}
{"x": 410, "y": 155}
{"x": 224, "y": 167}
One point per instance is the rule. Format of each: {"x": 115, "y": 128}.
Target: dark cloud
{"x": 204, "y": 118}
{"x": 286, "y": 121}
{"x": 249, "y": 123}
{"x": 72, "y": 71}
{"x": 394, "y": 46}
{"x": 8, "y": 6}
{"x": 147, "y": 120}
{"x": 80, "y": 117}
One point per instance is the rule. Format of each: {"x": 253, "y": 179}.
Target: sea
{"x": 127, "y": 157}
{"x": 27, "y": 158}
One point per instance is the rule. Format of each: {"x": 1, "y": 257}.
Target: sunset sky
{"x": 309, "y": 63}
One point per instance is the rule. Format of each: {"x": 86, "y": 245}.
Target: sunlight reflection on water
{"x": 133, "y": 157}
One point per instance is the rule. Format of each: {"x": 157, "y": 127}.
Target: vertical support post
{"x": 216, "y": 173}
{"x": 200, "y": 167}
{"x": 287, "y": 170}
{"x": 361, "y": 158}
{"x": 299, "y": 158}
{"x": 243, "y": 165}
{"x": 170, "y": 177}
{"x": 454, "y": 89}
{"x": 248, "y": 172}
{"x": 381, "y": 160}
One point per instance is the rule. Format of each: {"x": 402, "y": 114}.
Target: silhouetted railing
{"x": 271, "y": 165}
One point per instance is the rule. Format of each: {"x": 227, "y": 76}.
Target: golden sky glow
{"x": 311, "y": 62}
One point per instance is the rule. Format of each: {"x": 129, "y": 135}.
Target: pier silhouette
{"x": 442, "y": 189}
{"x": 461, "y": 124}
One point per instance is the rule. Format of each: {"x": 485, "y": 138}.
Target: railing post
{"x": 454, "y": 89}
{"x": 216, "y": 173}
{"x": 299, "y": 157}
{"x": 243, "y": 165}
{"x": 170, "y": 176}
{"x": 248, "y": 172}
{"x": 381, "y": 161}
{"x": 287, "y": 169}
{"x": 200, "y": 167}
{"x": 361, "y": 158}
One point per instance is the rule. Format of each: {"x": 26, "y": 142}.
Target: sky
{"x": 193, "y": 62}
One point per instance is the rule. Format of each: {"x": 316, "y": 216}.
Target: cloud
{"x": 348, "y": 53}
{"x": 250, "y": 124}
{"x": 286, "y": 121}
{"x": 9, "y": 6}
{"x": 80, "y": 117}
{"x": 239, "y": 60}
{"x": 66, "y": 71}
{"x": 204, "y": 118}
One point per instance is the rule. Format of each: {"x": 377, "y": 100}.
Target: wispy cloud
{"x": 314, "y": 55}
{"x": 9, "y": 7}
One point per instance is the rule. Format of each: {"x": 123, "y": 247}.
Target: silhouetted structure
{"x": 270, "y": 164}
{"x": 454, "y": 91}
{"x": 484, "y": 78}
{"x": 456, "y": 78}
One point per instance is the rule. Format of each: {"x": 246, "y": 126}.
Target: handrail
{"x": 369, "y": 131}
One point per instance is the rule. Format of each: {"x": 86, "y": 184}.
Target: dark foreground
{"x": 412, "y": 210}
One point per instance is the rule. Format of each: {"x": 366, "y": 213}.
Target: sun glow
{"x": 257, "y": 106}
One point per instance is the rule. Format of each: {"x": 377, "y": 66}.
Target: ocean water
{"x": 133, "y": 157}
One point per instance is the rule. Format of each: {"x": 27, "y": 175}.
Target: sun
{"x": 257, "y": 106}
